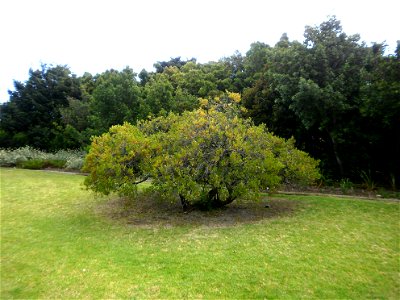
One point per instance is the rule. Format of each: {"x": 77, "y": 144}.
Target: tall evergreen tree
{"x": 33, "y": 111}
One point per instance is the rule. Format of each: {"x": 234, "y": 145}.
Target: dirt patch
{"x": 151, "y": 212}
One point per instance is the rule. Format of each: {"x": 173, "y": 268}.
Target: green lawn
{"x": 60, "y": 241}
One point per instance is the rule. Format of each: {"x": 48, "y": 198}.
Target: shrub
{"x": 66, "y": 155}
{"x": 54, "y": 163}
{"x": 33, "y": 164}
{"x": 208, "y": 157}
{"x": 30, "y": 158}
{"x": 74, "y": 163}
{"x": 73, "y": 159}
{"x": 345, "y": 185}
{"x": 368, "y": 182}
{"x": 118, "y": 160}
{"x": 10, "y": 158}
{"x": 37, "y": 164}
{"x": 40, "y": 163}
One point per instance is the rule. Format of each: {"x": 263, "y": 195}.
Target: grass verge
{"x": 60, "y": 241}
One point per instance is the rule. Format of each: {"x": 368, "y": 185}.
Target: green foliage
{"x": 337, "y": 97}
{"x": 118, "y": 160}
{"x": 210, "y": 160}
{"x": 30, "y": 158}
{"x": 159, "y": 93}
{"x": 367, "y": 180}
{"x": 345, "y": 185}
{"x": 209, "y": 157}
{"x": 74, "y": 163}
{"x": 37, "y": 164}
{"x": 379, "y": 105}
{"x": 33, "y": 164}
{"x": 55, "y": 163}
{"x": 160, "y": 66}
{"x": 116, "y": 98}
{"x": 299, "y": 167}
{"x": 9, "y": 158}
{"x": 76, "y": 114}
{"x": 35, "y": 105}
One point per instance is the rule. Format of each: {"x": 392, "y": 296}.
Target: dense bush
{"x": 37, "y": 164}
{"x": 74, "y": 162}
{"x": 208, "y": 157}
{"x": 118, "y": 160}
{"x": 30, "y": 158}
{"x": 33, "y": 164}
{"x": 10, "y": 158}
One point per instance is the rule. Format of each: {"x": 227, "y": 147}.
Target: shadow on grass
{"x": 150, "y": 212}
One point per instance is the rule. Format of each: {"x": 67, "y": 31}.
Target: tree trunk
{"x": 335, "y": 151}
{"x": 212, "y": 201}
{"x": 216, "y": 202}
{"x": 184, "y": 202}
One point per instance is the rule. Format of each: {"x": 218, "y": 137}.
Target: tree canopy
{"x": 336, "y": 96}
{"x": 33, "y": 112}
{"x": 208, "y": 157}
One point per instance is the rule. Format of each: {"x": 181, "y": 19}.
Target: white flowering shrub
{"x": 32, "y": 158}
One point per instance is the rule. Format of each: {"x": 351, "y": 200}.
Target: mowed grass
{"x": 60, "y": 241}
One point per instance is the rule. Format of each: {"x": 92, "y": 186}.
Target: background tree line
{"x": 338, "y": 97}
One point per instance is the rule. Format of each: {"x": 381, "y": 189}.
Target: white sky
{"x": 98, "y": 35}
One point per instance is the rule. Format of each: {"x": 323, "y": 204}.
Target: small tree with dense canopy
{"x": 208, "y": 157}
{"x": 118, "y": 160}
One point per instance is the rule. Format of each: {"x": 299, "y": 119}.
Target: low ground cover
{"x": 60, "y": 241}
{"x": 30, "y": 158}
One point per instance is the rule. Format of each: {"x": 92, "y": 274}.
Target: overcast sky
{"x": 98, "y": 35}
